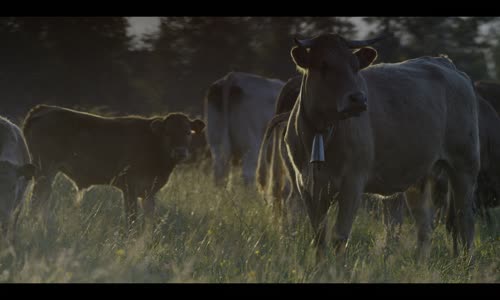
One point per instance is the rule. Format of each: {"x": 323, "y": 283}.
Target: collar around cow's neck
{"x": 317, "y": 154}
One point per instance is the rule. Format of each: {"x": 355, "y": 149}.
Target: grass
{"x": 207, "y": 234}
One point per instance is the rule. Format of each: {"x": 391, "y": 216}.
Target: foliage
{"x": 91, "y": 61}
{"x": 456, "y": 37}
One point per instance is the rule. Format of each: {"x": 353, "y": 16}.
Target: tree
{"x": 64, "y": 60}
{"x": 192, "y": 52}
{"x": 431, "y": 36}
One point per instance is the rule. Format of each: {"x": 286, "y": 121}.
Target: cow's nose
{"x": 358, "y": 99}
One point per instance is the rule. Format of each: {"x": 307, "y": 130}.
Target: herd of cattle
{"x": 419, "y": 133}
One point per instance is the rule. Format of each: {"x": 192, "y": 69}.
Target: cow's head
{"x": 13, "y": 180}
{"x": 332, "y": 87}
{"x": 176, "y": 131}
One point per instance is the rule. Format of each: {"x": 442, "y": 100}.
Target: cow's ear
{"x": 157, "y": 126}
{"x": 366, "y": 56}
{"x": 300, "y": 56}
{"x": 197, "y": 125}
{"x": 26, "y": 171}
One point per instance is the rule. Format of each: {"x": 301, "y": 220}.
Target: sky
{"x": 141, "y": 25}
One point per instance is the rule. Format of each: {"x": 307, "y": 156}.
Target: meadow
{"x": 215, "y": 235}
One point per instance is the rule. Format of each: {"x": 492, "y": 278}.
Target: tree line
{"x": 91, "y": 63}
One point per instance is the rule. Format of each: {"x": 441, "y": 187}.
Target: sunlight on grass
{"x": 209, "y": 234}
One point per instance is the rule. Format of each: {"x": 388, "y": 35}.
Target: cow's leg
{"x": 317, "y": 209}
{"x": 4, "y": 225}
{"x": 130, "y": 204}
{"x": 419, "y": 201}
{"x": 278, "y": 209}
{"x": 393, "y": 216}
{"x": 276, "y": 182}
{"x": 9, "y": 227}
{"x": 462, "y": 204}
{"x": 451, "y": 225}
{"x": 12, "y": 232}
{"x": 249, "y": 164}
{"x": 350, "y": 193}
{"x": 42, "y": 188}
{"x": 221, "y": 168}
{"x": 440, "y": 197}
{"x": 293, "y": 202}
{"x": 221, "y": 155}
{"x": 295, "y": 208}
{"x": 149, "y": 211}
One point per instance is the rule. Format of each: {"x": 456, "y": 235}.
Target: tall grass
{"x": 209, "y": 234}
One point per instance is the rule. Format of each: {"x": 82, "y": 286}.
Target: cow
{"x": 488, "y": 193}
{"x": 237, "y": 109}
{"x": 16, "y": 172}
{"x": 490, "y": 91}
{"x": 198, "y": 149}
{"x": 361, "y": 128}
{"x": 133, "y": 153}
{"x": 488, "y": 181}
{"x": 275, "y": 181}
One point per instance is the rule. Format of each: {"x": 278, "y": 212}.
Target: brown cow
{"x": 348, "y": 133}
{"x": 133, "y": 153}
{"x": 276, "y": 177}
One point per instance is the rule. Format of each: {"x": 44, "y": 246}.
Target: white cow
{"x": 15, "y": 172}
{"x": 237, "y": 110}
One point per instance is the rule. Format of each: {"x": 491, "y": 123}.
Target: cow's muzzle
{"x": 357, "y": 105}
{"x": 179, "y": 154}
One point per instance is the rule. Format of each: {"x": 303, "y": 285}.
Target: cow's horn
{"x": 364, "y": 43}
{"x": 306, "y": 43}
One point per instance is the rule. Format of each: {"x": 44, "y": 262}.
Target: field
{"x": 206, "y": 234}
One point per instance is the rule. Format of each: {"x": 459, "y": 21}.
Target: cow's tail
{"x": 275, "y": 121}
{"x": 264, "y": 158}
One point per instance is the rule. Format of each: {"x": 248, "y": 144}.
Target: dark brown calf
{"x": 133, "y": 153}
